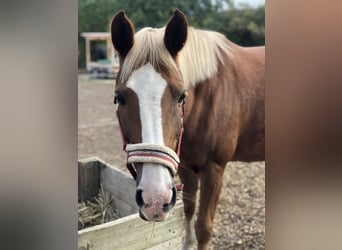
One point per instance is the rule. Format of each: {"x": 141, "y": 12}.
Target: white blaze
{"x": 149, "y": 86}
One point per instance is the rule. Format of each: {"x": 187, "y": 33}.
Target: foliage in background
{"x": 242, "y": 24}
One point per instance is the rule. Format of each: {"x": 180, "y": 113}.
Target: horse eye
{"x": 182, "y": 97}
{"x": 119, "y": 99}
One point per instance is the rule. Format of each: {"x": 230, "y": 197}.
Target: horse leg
{"x": 210, "y": 188}
{"x": 190, "y": 181}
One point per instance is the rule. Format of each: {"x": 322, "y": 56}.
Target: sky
{"x": 253, "y": 3}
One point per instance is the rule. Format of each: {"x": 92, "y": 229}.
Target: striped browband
{"x": 152, "y": 153}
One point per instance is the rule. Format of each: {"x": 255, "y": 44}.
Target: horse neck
{"x": 236, "y": 88}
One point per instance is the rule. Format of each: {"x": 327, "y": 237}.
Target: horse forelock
{"x": 196, "y": 62}
{"x": 148, "y": 48}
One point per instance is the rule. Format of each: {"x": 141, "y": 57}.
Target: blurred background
{"x": 242, "y": 21}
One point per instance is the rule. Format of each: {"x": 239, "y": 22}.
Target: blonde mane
{"x": 198, "y": 60}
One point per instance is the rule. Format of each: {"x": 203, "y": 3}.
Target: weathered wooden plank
{"x": 172, "y": 244}
{"x": 116, "y": 184}
{"x": 131, "y": 232}
{"x": 88, "y": 179}
{"x": 122, "y": 190}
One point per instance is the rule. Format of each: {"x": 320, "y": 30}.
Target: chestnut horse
{"x": 222, "y": 116}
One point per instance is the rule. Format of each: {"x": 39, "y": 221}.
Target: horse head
{"x": 150, "y": 95}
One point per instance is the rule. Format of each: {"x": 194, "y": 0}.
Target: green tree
{"x": 243, "y": 25}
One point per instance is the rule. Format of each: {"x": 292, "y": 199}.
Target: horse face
{"x": 150, "y": 113}
{"x": 149, "y": 98}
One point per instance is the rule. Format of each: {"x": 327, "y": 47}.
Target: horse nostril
{"x": 167, "y": 206}
{"x": 139, "y": 198}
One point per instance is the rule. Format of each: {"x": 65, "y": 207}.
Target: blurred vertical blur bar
{"x": 303, "y": 121}
{"x": 38, "y": 124}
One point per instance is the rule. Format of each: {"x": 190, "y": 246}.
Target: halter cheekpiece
{"x": 151, "y": 153}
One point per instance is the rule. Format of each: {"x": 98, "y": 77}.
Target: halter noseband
{"x": 151, "y": 153}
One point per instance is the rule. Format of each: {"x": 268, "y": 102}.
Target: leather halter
{"x": 151, "y": 153}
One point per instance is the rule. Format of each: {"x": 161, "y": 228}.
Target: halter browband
{"x": 151, "y": 153}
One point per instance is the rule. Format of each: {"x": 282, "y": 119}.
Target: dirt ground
{"x": 240, "y": 216}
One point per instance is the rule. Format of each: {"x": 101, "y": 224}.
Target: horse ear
{"x": 122, "y": 31}
{"x": 176, "y": 33}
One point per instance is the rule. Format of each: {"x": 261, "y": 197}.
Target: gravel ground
{"x": 240, "y": 216}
